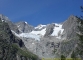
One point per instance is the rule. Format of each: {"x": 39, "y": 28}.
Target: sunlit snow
{"x": 38, "y": 34}
{"x": 57, "y": 29}
{"x": 25, "y": 22}
{"x": 40, "y": 26}
{"x": 28, "y": 35}
{"x": 42, "y": 32}
{"x": 2, "y": 20}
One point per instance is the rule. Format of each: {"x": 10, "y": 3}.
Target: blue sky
{"x": 40, "y": 11}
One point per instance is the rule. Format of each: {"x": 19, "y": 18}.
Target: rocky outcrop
{"x": 24, "y": 27}
{"x": 70, "y": 27}
{"x": 11, "y": 47}
{"x": 70, "y": 37}
{"x": 11, "y": 25}
{"x": 49, "y": 29}
{"x": 48, "y": 46}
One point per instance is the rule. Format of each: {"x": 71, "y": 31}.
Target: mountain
{"x": 69, "y": 36}
{"x": 12, "y": 47}
{"x": 52, "y": 40}
{"x": 11, "y": 25}
{"x": 70, "y": 27}
{"x": 24, "y": 27}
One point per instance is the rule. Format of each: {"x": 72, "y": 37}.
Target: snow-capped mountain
{"x": 50, "y": 40}
{"x": 37, "y": 34}
{"x": 40, "y": 26}
{"x": 11, "y": 24}
{"x": 24, "y": 27}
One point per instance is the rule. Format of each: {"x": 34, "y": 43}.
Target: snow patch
{"x": 32, "y": 43}
{"x": 15, "y": 33}
{"x": 42, "y": 32}
{"x": 2, "y": 20}
{"x": 26, "y": 23}
{"x": 57, "y": 29}
{"x": 40, "y": 26}
{"x": 38, "y": 34}
{"x": 27, "y": 35}
{"x": 18, "y": 26}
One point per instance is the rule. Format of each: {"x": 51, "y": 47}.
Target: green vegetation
{"x": 79, "y": 48}
{"x": 24, "y": 53}
{"x": 73, "y": 55}
{"x": 54, "y": 51}
{"x": 63, "y": 57}
{"x": 9, "y": 46}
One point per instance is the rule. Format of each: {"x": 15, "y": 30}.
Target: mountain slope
{"x": 11, "y": 25}
{"x": 24, "y": 27}
{"x": 51, "y": 40}
{"x": 11, "y": 47}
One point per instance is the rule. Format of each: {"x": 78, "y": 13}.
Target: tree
{"x": 73, "y": 55}
{"x": 63, "y": 57}
{"x": 81, "y": 11}
{"x": 81, "y": 8}
{"x": 79, "y": 48}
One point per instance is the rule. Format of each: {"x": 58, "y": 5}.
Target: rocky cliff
{"x": 12, "y": 47}
{"x": 47, "y": 41}
{"x": 24, "y": 27}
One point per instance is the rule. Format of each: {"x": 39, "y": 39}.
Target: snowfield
{"x": 40, "y": 26}
{"x": 42, "y": 32}
{"x": 57, "y": 31}
{"x": 27, "y": 35}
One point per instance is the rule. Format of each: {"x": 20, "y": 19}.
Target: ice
{"x": 40, "y": 26}
{"x": 28, "y": 35}
{"x": 57, "y": 30}
{"x": 25, "y": 22}
{"x": 38, "y": 34}
{"x": 2, "y": 20}
{"x": 42, "y": 32}
{"x": 18, "y": 26}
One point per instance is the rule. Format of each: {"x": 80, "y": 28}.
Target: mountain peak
{"x": 72, "y": 17}
{"x": 4, "y": 17}
{"x": 23, "y": 26}
{"x": 70, "y": 20}
{"x": 26, "y": 22}
{"x": 40, "y": 26}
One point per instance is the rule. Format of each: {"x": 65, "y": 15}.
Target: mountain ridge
{"x": 51, "y": 40}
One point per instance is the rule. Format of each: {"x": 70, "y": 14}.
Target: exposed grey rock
{"x": 49, "y": 46}
{"x": 69, "y": 37}
{"x": 45, "y": 48}
{"x": 70, "y": 27}
{"x": 49, "y": 29}
{"x": 24, "y": 27}
{"x": 12, "y": 47}
{"x": 11, "y": 25}
{"x": 39, "y": 29}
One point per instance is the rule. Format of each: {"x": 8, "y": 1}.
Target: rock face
{"x": 70, "y": 27}
{"x": 53, "y": 38}
{"x": 11, "y": 25}
{"x": 46, "y": 41}
{"x": 49, "y": 29}
{"x": 12, "y": 47}
{"x": 69, "y": 36}
{"x": 24, "y": 27}
{"x": 39, "y": 27}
